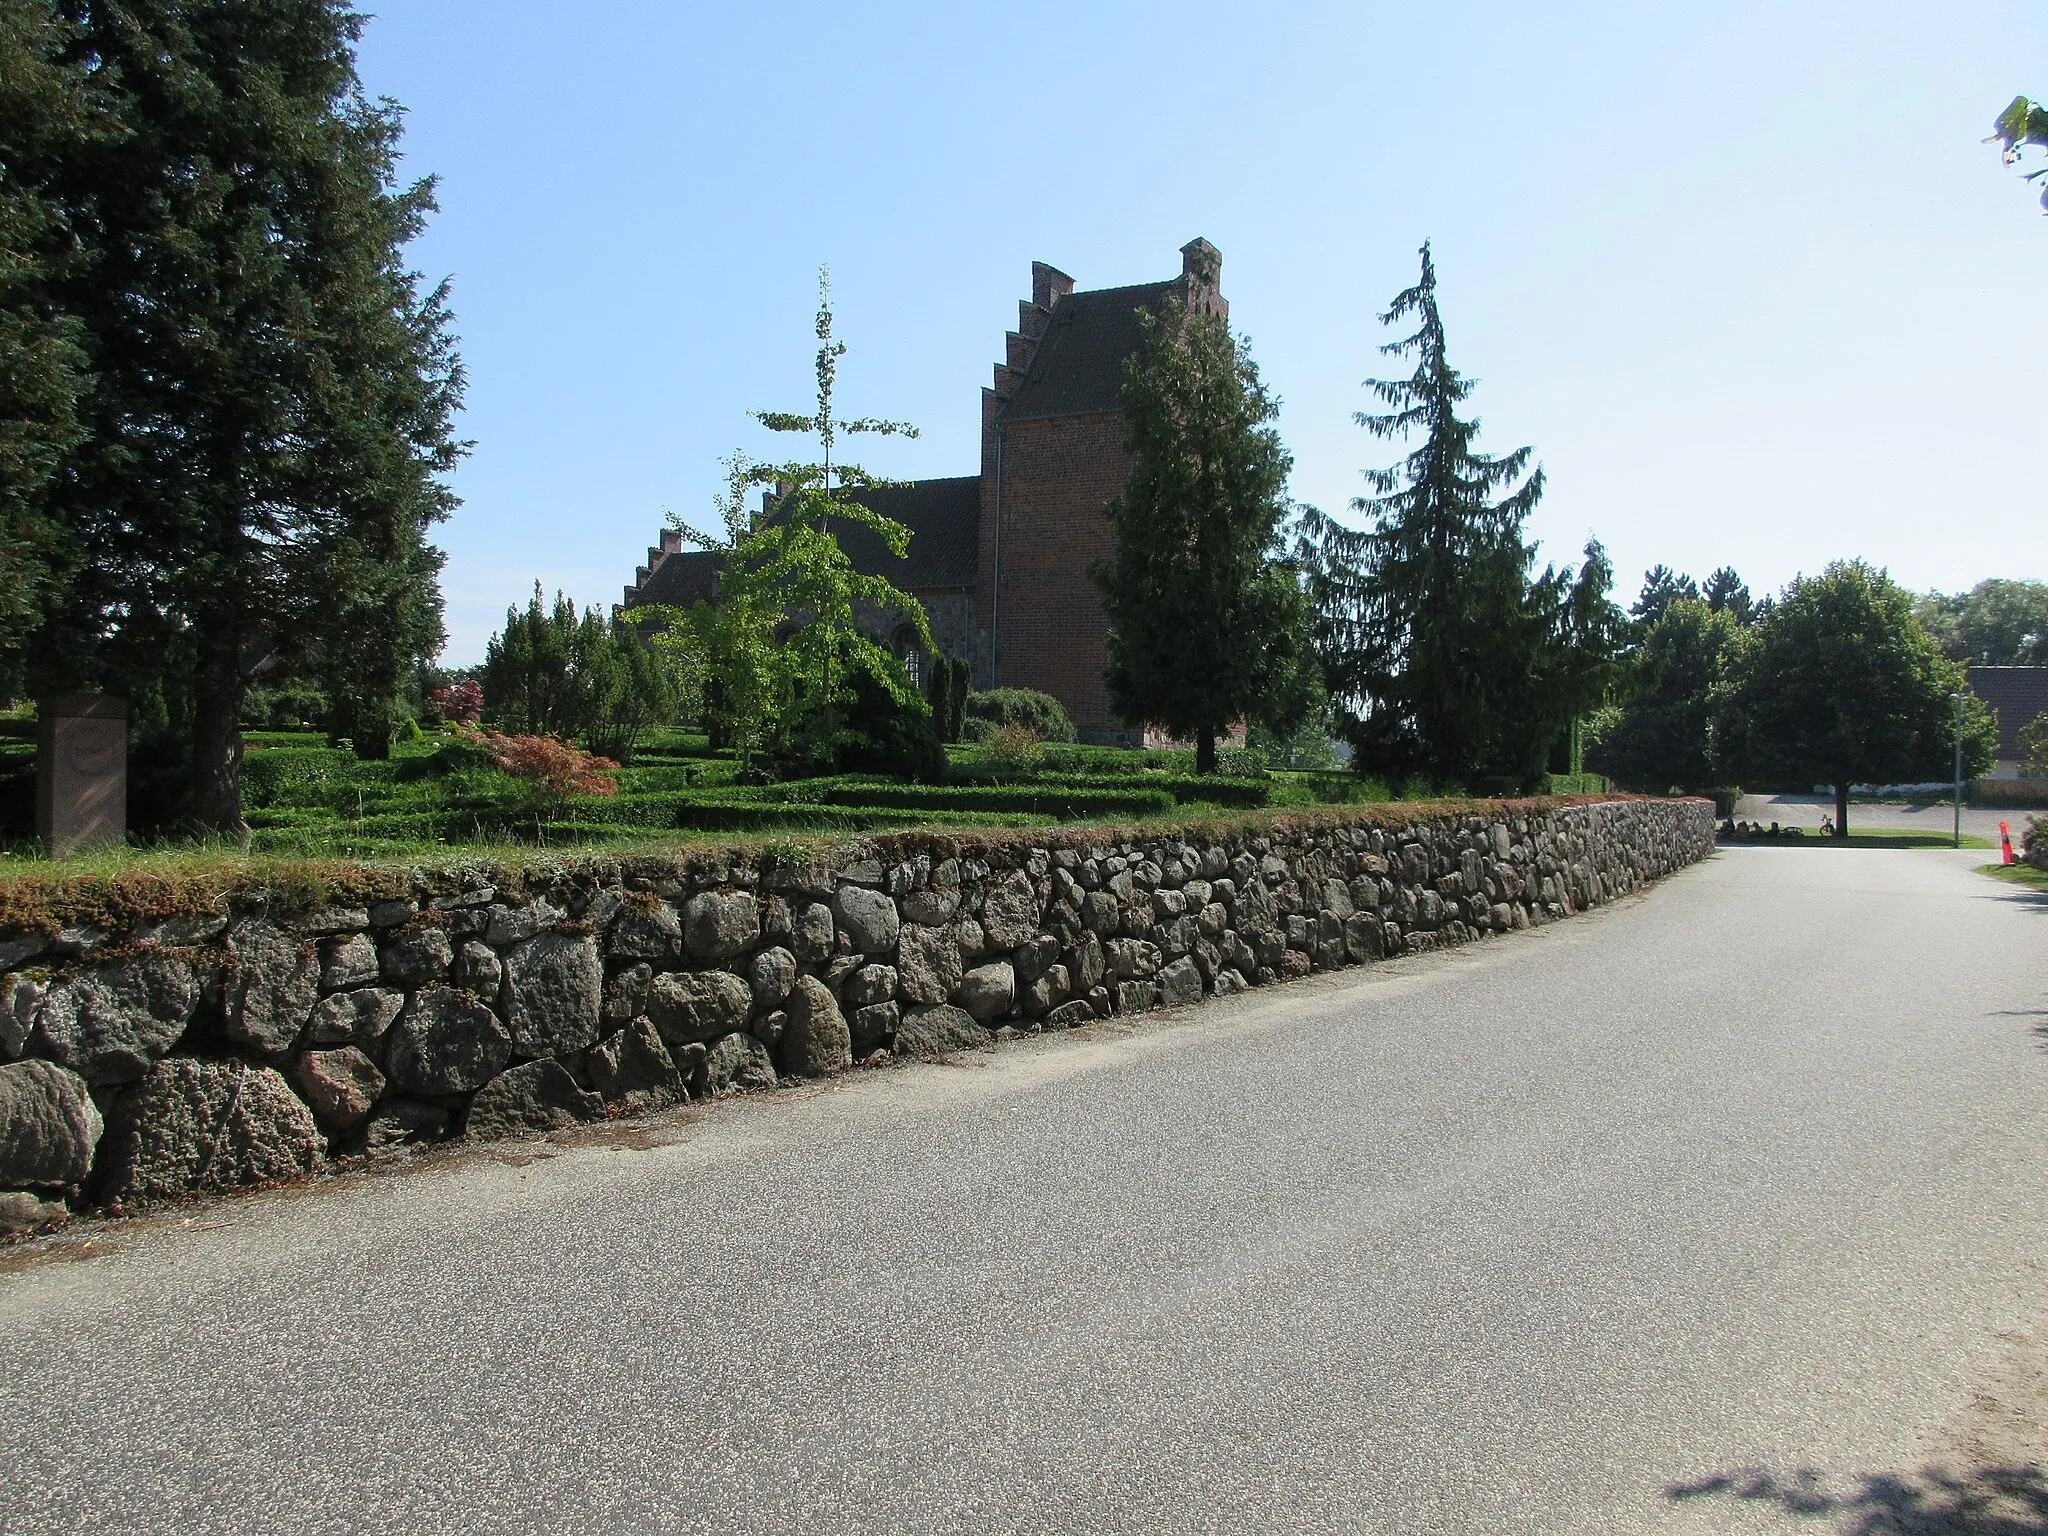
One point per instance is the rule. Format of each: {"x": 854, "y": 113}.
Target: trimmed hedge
{"x": 1068, "y": 803}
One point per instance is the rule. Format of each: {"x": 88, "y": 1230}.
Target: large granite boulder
{"x": 204, "y": 1127}
{"x": 1009, "y": 915}
{"x": 736, "y": 1061}
{"x": 354, "y": 1018}
{"x": 417, "y": 956}
{"x": 988, "y": 991}
{"x": 1180, "y": 983}
{"x": 869, "y": 984}
{"x": 109, "y": 1024}
{"x": 533, "y": 1096}
{"x": 21, "y": 1003}
{"x": 935, "y": 1031}
{"x": 647, "y": 932}
{"x": 347, "y": 962}
{"x": 815, "y": 1040}
{"x": 48, "y": 1125}
{"x": 771, "y": 975}
{"x": 341, "y": 1085}
{"x": 446, "y": 1042}
{"x": 698, "y": 1005}
{"x": 273, "y": 980}
{"x": 720, "y": 924}
{"x": 553, "y": 994}
{"x": 632, "y": 1070}
{"x": 811, "y": 934}
{"x": 928, "y": 963}
{"x": 868, "y": 919}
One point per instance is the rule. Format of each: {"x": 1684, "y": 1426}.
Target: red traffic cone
{"x": 2005, "y": 840}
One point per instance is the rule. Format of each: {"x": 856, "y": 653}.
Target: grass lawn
{"x": 2017, "y": 874}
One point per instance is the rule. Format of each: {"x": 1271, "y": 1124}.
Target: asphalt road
{"x": 1616, "y": 1226}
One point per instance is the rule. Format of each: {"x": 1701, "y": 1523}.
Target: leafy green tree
{"x": 1662, "y": 736}
{"x": 1441, "y": 656}
{"x": 1996, "y": 623}
{"x": 780, "y": 648}
{"x": 1207, "y": 624}
{"x": 271, "y": 392}
{"x": 2022, "y": 126}
{"x": 1840, "y": 683}
{"x": 46, "y": 118}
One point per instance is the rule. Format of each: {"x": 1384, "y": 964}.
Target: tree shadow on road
{"x": 1935, "y": 1501}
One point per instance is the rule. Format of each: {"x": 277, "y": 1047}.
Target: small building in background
{"x": 2018, "y": 696}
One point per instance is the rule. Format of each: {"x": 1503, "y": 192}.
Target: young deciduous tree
{"x": 1840, "y": 684}
{"x": 2021, "y": 126}
{"x": 780, "y": 648}
{"x": 1440, "y": 654}
{"x": 1207, "y": 624}
{"x": 271, "y": 391}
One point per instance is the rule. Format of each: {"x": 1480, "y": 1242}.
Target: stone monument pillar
{"x": 81, "y": 773}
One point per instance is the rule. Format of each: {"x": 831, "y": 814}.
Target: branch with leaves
{"x": 2022, "y": 126}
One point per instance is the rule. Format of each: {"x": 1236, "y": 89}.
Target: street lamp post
{"x": 1957, "y": 700}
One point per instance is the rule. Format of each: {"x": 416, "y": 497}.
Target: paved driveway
{"x": 1612, "y": 1227}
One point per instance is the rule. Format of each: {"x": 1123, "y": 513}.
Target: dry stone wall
{"x": 197, "y": 1052}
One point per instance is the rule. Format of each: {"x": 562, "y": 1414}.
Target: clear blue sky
{"x": 1743, "y": 274}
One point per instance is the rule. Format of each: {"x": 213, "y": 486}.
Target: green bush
{"x": 1020, "y": 706}
{"x": 889, "y": 729}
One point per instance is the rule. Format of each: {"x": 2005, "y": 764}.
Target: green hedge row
{"x": 1068, "y": 803}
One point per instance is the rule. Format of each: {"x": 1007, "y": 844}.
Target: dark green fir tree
{"x": 272, "y": 390}
{"x": 1207, "y": 624}
{"x": 1442, "y": 657}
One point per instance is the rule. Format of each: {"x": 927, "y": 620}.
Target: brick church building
{"x": 999, "y": 559}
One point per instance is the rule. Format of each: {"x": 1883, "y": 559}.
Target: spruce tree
{"x": 1207, "y": 626}
{"x": 45, "y": 119}
{"x": 1439, "y": 657}
{"x": 272, "y": 391}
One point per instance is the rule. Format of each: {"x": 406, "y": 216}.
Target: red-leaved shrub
{"x": 460, "y": 702}
{"x": 557, "y": 768}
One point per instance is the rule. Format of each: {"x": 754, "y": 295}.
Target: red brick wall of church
{"x": 1057, "y": 476}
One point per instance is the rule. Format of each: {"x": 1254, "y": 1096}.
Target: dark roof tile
{"x": 2017, "y": 695}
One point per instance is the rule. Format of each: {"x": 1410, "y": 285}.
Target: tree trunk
{"x": 1205, "y": 750}
{"x": 1841, "y": 807}
{"x": 217, "y": 752}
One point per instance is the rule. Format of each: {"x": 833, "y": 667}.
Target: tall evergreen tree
{"x": 46, "y": 118}
{"x": 1440, "y": 654}
{"x": 1662, "y": 587}
{"x": 1207, "y": 625}
{"x": 272, "y": 391}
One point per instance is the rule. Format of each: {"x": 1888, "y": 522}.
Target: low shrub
{"x": 1021, "y": 706}
{"x": 1067, "y": 802}
{"x": 1014, "y": 747}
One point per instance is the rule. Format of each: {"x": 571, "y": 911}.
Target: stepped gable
{"x": 675, "y": 576}
{"x": 1077, "y": 366}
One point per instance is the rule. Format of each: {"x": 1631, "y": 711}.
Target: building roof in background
{"x": 2017, "y": 695}
{"x": 680, "y": 578}
{"x": 1078, "y": 366}
{"x": 944, "y": 519}
{"x": 943, "y": 516}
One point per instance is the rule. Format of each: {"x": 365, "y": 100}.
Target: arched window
{"x": 904, "y": 644}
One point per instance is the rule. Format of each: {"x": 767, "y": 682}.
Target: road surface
{"x": 1886, "y": 816}
{"x": 1681, "y": 1216}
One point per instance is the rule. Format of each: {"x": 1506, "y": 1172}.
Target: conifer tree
{"x": 271, "y": 390}
{"x": 1441, "y": 656}
{"x": 1207, "y": 626}
{"x": 45, "y": 118}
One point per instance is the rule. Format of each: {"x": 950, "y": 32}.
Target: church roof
{"x": 944, "y": 519}
{"x": 1078, "y": 367}
{"x": 943, "y": 516}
